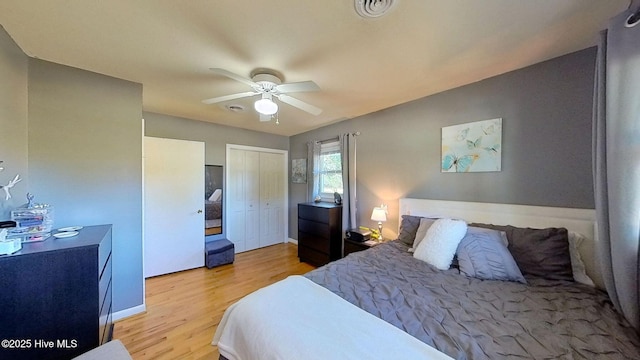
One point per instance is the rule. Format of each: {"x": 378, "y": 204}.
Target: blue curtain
{"x": 616, "y": 159}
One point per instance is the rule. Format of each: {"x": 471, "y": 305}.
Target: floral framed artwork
{"x": 299, "y": 171}
{"x": 472, "y": 147}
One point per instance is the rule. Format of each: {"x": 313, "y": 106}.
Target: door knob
{"x": 199, "y": 211}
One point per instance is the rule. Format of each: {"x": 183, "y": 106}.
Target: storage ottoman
{"x": 218, "y": 252}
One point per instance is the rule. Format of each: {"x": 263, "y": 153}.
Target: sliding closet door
{"x": 271, "y": 199}
{"x": 173, "y": 205}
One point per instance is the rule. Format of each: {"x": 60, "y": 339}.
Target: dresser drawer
{"x": 312, "y": 256}
{"x": 312, "y": 241}
{"x": 105, "y": 280}
{"x": 104, "y": 251}
{"x": 318, "y": 229}
{"x": 314, "y": 213}
{"x": 105, "y": 314}
{"x": 107, "y": 329}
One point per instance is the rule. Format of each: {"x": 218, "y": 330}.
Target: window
{"x": 329, "y": 170}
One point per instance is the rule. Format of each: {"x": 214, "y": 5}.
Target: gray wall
{"x": 216, "y": 137}
{"x": 546, "y": 158}
{"x": 13, "y": 122}
{"x": 85, "y": 159}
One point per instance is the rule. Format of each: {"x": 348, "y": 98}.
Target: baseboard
{"x": 293, "y": 241}
{"x": 129, "y": 312}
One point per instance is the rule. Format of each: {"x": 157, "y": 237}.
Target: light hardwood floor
{"x": 184, "y": 308}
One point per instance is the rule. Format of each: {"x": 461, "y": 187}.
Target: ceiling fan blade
{"x": 233, "y": 76}
{"x": 302, "y": 86}
{"x": 229, "y": 97}
{"x": 265, "y": 118}
{"x": 299, "y": 104}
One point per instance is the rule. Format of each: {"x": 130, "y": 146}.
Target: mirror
{"x": 212, "y": 199}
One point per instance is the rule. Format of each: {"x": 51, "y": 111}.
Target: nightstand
{"x": 351, "y": 246}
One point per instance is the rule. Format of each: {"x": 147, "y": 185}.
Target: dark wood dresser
{"x": 319, "y": 232}
{"x": 55, "y": 296}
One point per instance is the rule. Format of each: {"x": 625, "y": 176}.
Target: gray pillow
{"x": 408, "y": 227}
{"x": 483, "y": 254}
{"x": 425, "y": 224}
{"x": 539, "y": 252}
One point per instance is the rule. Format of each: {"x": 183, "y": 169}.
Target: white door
{"x": 257, "y": 196}
{"x": 244, "y": 199}
{"x": 271, "y": 199}
{"x": 173, "y": 205}
{"x": 236, "y": 199}
{"x": 252, "y": 193}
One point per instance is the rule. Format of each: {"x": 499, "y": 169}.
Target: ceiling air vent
{"x": 373, "y": 8}
{"x": 235, "y": 108}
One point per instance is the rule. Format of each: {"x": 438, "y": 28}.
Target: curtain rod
{"x": 331, "y": 139}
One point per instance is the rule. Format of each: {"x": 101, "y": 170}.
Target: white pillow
{"x": 440, "y": 243}
{"x": 577, "y": 265}
{"x": 216, "y": 195}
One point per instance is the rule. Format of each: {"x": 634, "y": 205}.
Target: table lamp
{"x": 379, "y": 214}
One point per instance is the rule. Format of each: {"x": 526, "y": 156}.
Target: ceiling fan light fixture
{"x": 266, "y": 106}
{"x": 267, "y": 83}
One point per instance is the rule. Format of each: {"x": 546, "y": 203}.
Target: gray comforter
{"x": 473, "y": 319}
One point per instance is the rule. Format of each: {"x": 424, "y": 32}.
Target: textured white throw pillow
{"x": 440, "y": 243}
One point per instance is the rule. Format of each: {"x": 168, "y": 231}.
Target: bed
{"x": 353, "y": 308}
{"x": 213, "y": 209}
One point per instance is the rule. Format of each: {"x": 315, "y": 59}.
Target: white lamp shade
{"x": 379, "y": 214}
{"x": 266, "y": 107}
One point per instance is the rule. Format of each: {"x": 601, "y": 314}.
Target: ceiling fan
{"x": 268, "y": 84}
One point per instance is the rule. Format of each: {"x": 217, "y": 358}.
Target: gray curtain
{"x": 349, "y": 200}
{"x": 616, "y": 159}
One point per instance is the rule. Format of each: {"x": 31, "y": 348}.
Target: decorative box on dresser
{"x": 319, "y": 232}
{"x": 55, "y": 296}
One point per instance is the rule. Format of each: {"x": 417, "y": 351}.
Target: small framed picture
{"x": 299, "y": 171}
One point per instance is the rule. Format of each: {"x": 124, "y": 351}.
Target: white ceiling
{"x": 420, "y": 47}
